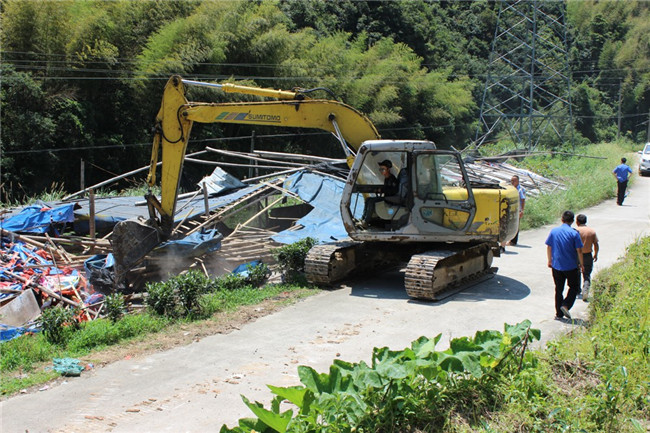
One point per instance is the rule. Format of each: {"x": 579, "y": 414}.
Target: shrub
{"x": 161, "y": 299}
{"x": 231, "y": 282}
{"x": 291, "y": 258}
{"x": 189, "y": 292}
{"x": 114, "y": 306}
{"x": 257, "y": 275}
{"x": 57, "y": 324}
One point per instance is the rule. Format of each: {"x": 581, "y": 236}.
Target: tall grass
{"x": 588, "y": 181}
{"x": 594, "y": 379}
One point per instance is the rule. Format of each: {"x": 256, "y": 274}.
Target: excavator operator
{"x": 390, "y": 192}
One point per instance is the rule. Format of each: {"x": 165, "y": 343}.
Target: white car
{"x": 644, "y": 164}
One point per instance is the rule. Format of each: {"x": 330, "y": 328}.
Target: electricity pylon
{"x": 527, "y": 93}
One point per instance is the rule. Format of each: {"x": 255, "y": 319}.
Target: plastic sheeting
{"x": 324, "y": 222}
{"x": 39, "y": 219}
{"x": 194, "y": 245}
{"x": 220, "y": 181}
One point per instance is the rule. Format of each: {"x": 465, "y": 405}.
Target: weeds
{"x": 594, "y": 185}
{"x": 114, "y": 306}
{"x": 291, "y": 259}
{"x": 57, "y": 324}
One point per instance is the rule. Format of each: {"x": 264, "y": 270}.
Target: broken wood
{"x": 43, "y": 289}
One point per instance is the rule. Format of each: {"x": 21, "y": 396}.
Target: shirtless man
{"x": 590, "y": 242}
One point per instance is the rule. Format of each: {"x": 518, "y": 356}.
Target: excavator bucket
{"x": 132, "y": 240}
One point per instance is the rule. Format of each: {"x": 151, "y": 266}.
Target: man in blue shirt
{"x": 622, "y": 173}
{"x": 564, "y": 253}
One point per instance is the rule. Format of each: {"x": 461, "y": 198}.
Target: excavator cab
{"x": 433, "y": 200}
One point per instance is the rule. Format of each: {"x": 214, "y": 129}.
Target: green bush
{"x": 257, "y": 275}
{"x": 161, "y": 298}
{"x": 291, "y": 259}
{"x": 57, "y": 324}
{"x": 189, "y": 291}
{"x": 231, "y": 282}
{"x": 114, "y": 306}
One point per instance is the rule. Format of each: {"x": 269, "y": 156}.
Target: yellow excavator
{"x": 445, "y": 226}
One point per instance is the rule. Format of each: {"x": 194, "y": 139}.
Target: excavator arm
{"x": 131, "y": 240}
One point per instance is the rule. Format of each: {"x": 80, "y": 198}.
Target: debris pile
{"x": 31, "y": 280}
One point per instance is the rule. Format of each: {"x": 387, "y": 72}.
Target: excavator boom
{"x": 132, "y": 239}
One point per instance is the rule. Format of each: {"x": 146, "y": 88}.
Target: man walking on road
{"x": 564, "y": 253}
{"x": 622, "y": 173}
{"x": 589, "y": 241}
{"x": 522, "y": 202}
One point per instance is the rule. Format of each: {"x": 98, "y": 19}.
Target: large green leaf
{"x": 300, "y": 396}
{"x": 424, "y": 346}
{"x": 518, "y": 332}
{"x": 276, "y": 421}
{"x": 318, "y": 383}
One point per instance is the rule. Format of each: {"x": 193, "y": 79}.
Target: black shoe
{"x": 565, "y": 311}
{"x": 559, "y": 317}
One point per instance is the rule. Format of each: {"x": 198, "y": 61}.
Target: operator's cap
{"x": 386, "y": 163}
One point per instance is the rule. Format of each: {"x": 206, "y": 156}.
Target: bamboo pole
{"x": 23, "y": 238}
{"x": 122, "y": 176}
{"x": 254, "y": 216}
{"x": 91, "y": 213}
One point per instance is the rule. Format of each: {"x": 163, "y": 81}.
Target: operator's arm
{"x": 549, "y": 255}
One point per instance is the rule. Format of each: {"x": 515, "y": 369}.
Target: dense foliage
{"x": 82, "y": 80}
{"x": 399, "y": 390}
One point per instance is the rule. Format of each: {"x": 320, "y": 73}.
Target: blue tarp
{"x": 194, "y": 245}
{"x": 10, "y": 332}
{"x": 38, "y": 219}
{"x": 324, "y": 222}
{"x": 244, "y": 269}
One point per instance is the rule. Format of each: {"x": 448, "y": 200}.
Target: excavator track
{"x": 435, "y": 275}
{"x": 328, "y": 263}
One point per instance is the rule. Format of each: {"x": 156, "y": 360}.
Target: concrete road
{"x": 197, "y": 388}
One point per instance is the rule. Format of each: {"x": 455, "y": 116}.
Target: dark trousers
{"x": 588, "y": 261}
{"x": 369, "y": 209}
{"x": 514, "y": 240}
{"x": 622, "y": 186}
{"x": 560, "y": 277}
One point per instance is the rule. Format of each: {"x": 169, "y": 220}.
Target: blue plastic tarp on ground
{"x": 10, "y": 332}
{"x": 38, "y": 219}
{"x": 194, "y": 245}
{"x": 244, "y": 269}
{"x": 324, "y": 222}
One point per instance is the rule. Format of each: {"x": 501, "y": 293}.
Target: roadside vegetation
{"x": 593, "y": 380}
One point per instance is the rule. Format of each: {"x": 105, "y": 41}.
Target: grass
{"x": 594, "y": 379}
{"x": 588, "y": 181}
{"x": 23, "y": 361}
